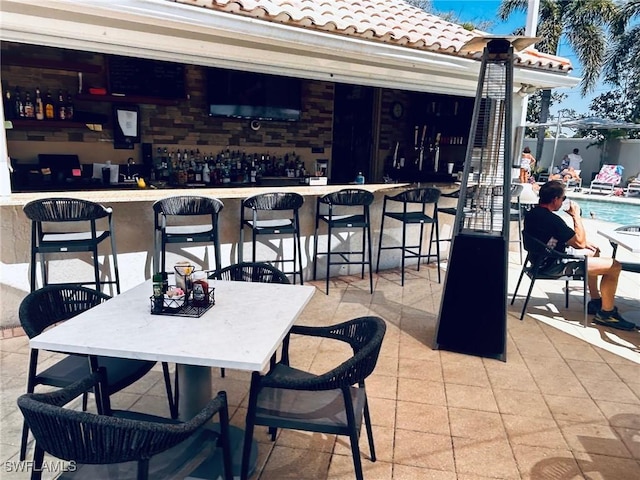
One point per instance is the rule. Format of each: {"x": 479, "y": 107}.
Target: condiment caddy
{"x": 191, "y": 297}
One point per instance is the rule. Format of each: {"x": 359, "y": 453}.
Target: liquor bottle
{"x": 206, "y": 173}
{"x": 191, "y": 174}
{"x": 9, "y": 107}
{"x": 39, "y": 105}
{"x": 61, "y": 108}
{"x": 49, "y": 107}
{"x": 29, "y": 110}
{"x": 69, "y": 110}
{"x": 19, "y": 106}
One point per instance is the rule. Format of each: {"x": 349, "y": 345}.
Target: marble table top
{"x": 241, "y": 331}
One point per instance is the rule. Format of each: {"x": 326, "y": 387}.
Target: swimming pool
{"x": 616, "y": 212}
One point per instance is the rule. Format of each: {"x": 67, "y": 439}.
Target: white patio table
{"x": 241, "y": 331}
{"x": 630, "y": 241}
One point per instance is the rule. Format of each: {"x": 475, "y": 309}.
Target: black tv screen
{"x": 236, "y": 94}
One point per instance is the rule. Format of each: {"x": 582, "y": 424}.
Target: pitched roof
{"x": 386, "y": 21}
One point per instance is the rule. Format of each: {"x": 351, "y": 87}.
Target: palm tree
{"x": 583, "y": 24}
{"x": 622, "y": 67}
{"x": 425, "y": 5}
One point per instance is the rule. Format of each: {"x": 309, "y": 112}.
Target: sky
{"x": 475, "y": 11}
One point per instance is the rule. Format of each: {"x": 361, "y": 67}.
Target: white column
{"x": 5, "y": 179}
{"x": 532, "y": 18}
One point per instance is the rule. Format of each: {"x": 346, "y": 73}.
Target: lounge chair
{"x": 607, "y": 179}
{"x": 633, "y": 188}
{"x": 574, "y": 182}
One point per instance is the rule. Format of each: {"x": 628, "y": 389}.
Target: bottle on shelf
{"x": 9, "y": 105}
{"x": 29, "y": 109}
{"x": 39, "y": 105}
{"x": 19, "y": 106}
{"x": 69, "y": 109}
{"x": 62, "y": 110}
{"x": 49, "y": 107}
{"x": 206, "y": 173}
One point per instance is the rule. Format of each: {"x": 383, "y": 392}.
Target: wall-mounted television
{"x": 236, "y": 94}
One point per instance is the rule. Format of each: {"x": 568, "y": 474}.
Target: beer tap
{"x": 129, "y": 163}
{"x": 421, "y": 155}
{"x": 395, "y": 157}
{"x": 436, "y": 157}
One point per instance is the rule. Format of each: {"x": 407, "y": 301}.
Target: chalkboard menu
{"x": 146, "y": 78}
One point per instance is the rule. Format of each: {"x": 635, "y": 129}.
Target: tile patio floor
{"x": 565, "y": 405}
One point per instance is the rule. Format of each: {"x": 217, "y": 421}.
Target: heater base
{"x": 473, "y": 314}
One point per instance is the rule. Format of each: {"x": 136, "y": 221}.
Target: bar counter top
{"x": 107, "y": 197}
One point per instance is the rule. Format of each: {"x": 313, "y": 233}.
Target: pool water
{"x": 615, "y": 212}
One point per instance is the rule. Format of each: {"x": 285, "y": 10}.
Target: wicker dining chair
{"x": 259, "y": 272}
{"x": 333, "y": 402}
{"x": 81, "y": 219}
{"x": 251, "y": 272}
{"x": 117, "y": 437}
{"x": 50, "y": 305}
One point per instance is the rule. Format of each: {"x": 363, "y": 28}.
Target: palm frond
{"x": 507, "y": 7}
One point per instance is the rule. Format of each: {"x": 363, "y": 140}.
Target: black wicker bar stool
{"x": 345, "y": 210}
{"x": 70, "y": 225}
{"x": 410, "y": 215}
{"x": 453, "y": 210}
{"x": 263, "y": 221}
{"x": 174, "y": 217}
{"x": 515, "y": 214}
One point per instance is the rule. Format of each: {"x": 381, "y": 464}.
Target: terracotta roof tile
{"x": 395, "y": 23}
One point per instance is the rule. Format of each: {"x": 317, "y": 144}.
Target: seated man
{"x": 542, "y": 223}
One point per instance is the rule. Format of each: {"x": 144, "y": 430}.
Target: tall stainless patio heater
{"x": 474, "y": 303}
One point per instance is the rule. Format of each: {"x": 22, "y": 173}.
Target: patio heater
{"x": 473, "y": 310}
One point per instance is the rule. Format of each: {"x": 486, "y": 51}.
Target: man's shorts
{"x": 563, "y": 268}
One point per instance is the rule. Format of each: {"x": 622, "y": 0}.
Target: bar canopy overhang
{"x": 170, "y": 31}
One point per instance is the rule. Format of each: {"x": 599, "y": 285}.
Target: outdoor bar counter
{"x": 133, "y": 219}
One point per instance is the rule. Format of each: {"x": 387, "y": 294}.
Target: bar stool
{"x": 453, "y": 210}
{"x": 515, "y": 213}
{"x": 262, "y": 222}
{"x": 170, "y": 215}
{"x": 515, "y": 208}
{"x": 45, "y": 238}
{"x": 345, "y": 209}
{"x": 417, "y": 196}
